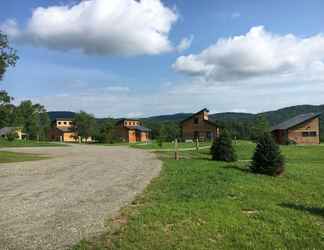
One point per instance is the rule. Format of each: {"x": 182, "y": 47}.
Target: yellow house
{"x": 4, "y": 132}
{"x": 63, "y": 129}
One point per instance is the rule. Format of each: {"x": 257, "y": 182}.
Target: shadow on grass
{"x": 313, "y": 210}
{"x": 238, "y": 168}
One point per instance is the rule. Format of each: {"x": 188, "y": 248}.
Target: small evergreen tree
{"x": 267, "y": 158}
{"x": 222, "y": 148}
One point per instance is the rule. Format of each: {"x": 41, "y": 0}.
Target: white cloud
{"x": 258, "y": 53}
{"x": 185, "y": 43}
{"x": 114, "y": 27}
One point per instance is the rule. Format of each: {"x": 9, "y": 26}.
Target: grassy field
{"x": 6, "y": 157}
{"x": 23, "y": 143}
{"x": 200, "y": 204}
{"x": 167, "y": 145}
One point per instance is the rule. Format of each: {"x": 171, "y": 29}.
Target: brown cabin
{"x": 198, "y": 126}
{"x": 302, "y": 129}
{"x": 130, "y": 130}
{"x": 63, "y": 129}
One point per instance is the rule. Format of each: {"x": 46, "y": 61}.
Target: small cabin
{"x": 302, "y": 129}
{"x": 132, "y": 131}
{"x": 198, "y": 126}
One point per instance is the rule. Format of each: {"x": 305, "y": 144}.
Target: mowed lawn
{"x": 28, "y": 143}
{"x": 7, "y": 157}
{"x": 197, "y": 203}
{"x": 167, "y": 145}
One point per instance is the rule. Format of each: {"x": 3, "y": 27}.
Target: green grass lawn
{"x": 168, "y": 145}
{"x": 197, "y": 203}
{"x": 6, "y": 157}
{"x": 29, "y": 143}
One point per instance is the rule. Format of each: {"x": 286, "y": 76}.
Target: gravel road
{"x": 54, "y": 203}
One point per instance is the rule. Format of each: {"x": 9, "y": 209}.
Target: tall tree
{"x": 8, "y": 56}
{"x": 261, "y": 126}
{"x": 85, "y": 125}
{"x": 34, "y": 119}
{"x": 5, "y": 109}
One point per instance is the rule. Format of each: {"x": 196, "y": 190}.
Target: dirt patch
{"x": 53, "y": 204}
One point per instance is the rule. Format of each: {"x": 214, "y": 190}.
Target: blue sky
{"x": 237, "y": 55}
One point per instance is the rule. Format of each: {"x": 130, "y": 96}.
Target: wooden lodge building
{"x": 130, "y": 130}
{"x": 198, "y": 126}
{"x": 63, "y": 129}
{"x": 302, "y": 129}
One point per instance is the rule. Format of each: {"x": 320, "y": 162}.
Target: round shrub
{"x": 267, "y": 158}
{"x": 222, "y": 148}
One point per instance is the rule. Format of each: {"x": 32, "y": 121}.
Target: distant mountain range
{"x": 273, "y": 117}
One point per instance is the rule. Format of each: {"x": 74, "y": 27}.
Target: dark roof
{"x": 64, "y": 119}
{"x": 142, "y": 129}
{"x": 65, "y": 129}
{"x": 124, "y": 119}
{"x": 7, "y": 130}
{"x": 295, "y": 121}
{"x": 188, "y": 118}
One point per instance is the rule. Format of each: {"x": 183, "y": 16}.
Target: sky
{"x": 139, "y": 58}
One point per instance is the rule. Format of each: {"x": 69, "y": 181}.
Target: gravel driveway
{"x": 53, "y": 204}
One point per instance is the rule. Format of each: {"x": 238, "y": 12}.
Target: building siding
{"x": 296, "y": 134}
{"x": 203, "y": 129}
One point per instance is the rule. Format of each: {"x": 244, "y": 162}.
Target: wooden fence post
{"x": 176, "y": 150}
{"x": 197, "y": 145}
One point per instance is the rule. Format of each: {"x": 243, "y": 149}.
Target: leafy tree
{"x": 261, "y": 126}
{"x": 169, "y": 132}
{"x": 8, "y": 56}
{"x": 12, "y": 136}
{"x": 34, "y": 120}
{"x": 267, "y": 158}
{"x": 5, "y": 109}
{"x": 85, "y": 125}
{"x": 107, "y": 133}
{"x": 222, "y": 148}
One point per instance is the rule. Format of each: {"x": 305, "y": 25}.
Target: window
{"x": 59, "y": 123}
{"x": 70, "y": 123}
{"x": 196, "y": 120}
{"x": 64, "y": 123}
{"x": 310, "y": 134}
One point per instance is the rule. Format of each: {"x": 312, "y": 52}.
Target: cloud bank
{"x": 258, "y": 53}
{"x": 114, "y": 27}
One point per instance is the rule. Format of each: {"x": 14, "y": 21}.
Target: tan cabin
{"x": 132, "y": 131}
{"x": 198, "y": 126}
{"x": 63, "y": 129}
{"x": 302, "y": 129}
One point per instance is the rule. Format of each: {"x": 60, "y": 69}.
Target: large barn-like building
{"x": 302, "y": 129}
{"x": 198, "y": 126}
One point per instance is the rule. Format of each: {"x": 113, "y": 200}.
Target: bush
{"x": 222, "y": 148}
{"x": 267, "y": 158}
{"x": 12, "y": 136}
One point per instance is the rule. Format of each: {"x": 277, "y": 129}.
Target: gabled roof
{"x": 188, "y": 118}
{"x": 124, "y": 119}
{"x": 295, "y": 121}
{"x": 7, "y": 130}
{"x": 142, "y": 129}
{"x": 63, "y": 119}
